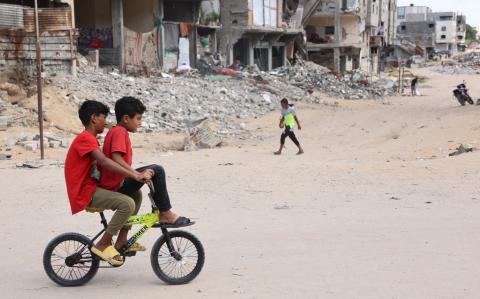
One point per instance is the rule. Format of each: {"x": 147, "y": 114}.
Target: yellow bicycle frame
{"x": 148, "y": 221}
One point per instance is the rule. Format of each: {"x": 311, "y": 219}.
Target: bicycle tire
{"x": 156, "y": 253}
{"x": 49, "y": 268}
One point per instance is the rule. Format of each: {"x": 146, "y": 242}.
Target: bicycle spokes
{"x": 182, "y": 261}
{"x": 69, "y": 261}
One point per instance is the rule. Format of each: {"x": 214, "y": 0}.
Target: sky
{"x": 471, "y": 8}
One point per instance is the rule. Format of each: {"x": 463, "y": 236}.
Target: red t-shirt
{"x": 78, "y": 171}
{"x": 116, "y": 141}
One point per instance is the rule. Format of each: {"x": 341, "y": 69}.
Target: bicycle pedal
{"x": 131, "y": 253}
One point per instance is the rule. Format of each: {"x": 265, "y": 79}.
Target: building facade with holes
{"x": 433, "y": 31}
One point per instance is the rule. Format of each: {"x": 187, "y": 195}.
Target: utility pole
{"x": 39, "y": 82}
{"x": 338, "y": 36}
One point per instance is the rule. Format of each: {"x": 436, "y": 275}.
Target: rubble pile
{"x": 465, "y": 63}
{"x": 175, "y": 102}
{"x": 309, "y": 75}
{"x": 471, "y": 59}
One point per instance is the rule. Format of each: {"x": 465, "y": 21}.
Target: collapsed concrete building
{"x": 259, "y": 32}
{"x": 148, "y": 33}
{"x": 358, "y": 31}
{"x": 167, "y": 34}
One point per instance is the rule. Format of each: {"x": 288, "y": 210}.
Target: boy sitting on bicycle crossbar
{"x": 84, "y": 191}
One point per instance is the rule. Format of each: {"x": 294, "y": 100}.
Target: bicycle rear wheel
{"x": 183, "y": 264}
{"x": 68, "y": 261}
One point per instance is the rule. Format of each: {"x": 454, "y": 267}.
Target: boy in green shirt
{"x": 287, "y": 121}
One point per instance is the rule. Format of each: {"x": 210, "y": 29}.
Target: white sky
{"x": 471, "y": 8}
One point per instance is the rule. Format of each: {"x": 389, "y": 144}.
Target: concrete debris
{"x": 11, "y": 89}
{"x": 281, "y": 206}
{"x": 463, "y": 148}
{"x": 31, "y": 146}
{"x": 54, "y": 144}
{"x": 203, "y": 136}
{"x": 3, "y": 123}
{"x": 174, "y": 101}
{"x": 34, "y": 164}
{"x": 11, "y": 142}
{"x": 5, "y": 157}
{"x": 355, "y": 85}
{"x": 2, "y": 105}
{"x": 465, "y": 64}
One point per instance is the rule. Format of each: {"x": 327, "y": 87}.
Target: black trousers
{"x": 289, "y": 133}
{"x": 159, "y": 180}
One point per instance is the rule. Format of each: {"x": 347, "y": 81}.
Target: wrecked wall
{"x": 58, "y": 42}
{"x": 350, "y": 28}
{"x": 18, "y": 56}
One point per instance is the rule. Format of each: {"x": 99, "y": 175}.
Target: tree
{"x": 471, "y": 34}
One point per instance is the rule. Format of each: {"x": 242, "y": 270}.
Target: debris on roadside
{"x": 462, "y": 149}
{"x": 204, "y": 135}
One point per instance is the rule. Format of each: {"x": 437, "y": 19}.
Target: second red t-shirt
{"x": 116, "y": 141}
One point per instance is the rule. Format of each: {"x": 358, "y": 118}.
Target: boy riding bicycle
{"x": 118, "y": 147}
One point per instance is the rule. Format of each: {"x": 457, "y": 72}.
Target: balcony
{"x": 349, "y": 7}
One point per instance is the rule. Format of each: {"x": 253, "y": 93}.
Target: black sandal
{"x": 180, "y": 222}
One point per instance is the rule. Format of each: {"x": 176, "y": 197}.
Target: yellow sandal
{"x": 108, "y": 255}
{"x": 136, "y": 247}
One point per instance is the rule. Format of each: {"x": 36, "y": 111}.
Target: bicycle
{"x": 177, "y": 257}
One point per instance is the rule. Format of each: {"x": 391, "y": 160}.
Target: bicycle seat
{"x": 94, "y": 210}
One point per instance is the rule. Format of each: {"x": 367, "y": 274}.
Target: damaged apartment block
{"x": 58, "y": 38}
{"x": 258, "y": 32}
{"x": 345, "y": 35}
{"x": 147, "y": 34}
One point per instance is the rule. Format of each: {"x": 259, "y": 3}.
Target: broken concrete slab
{"x": 54, "y": 144}
{"x": 203, "y": 136}
{"x": 463, "y": 148}
{"x": 3, "y": 123}
{"x": 31, "y": 146}
{"x": 11, "y": 141}
{"x": 5, "y": 157}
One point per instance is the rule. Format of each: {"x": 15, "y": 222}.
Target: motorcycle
{"x": 461, "y": 94}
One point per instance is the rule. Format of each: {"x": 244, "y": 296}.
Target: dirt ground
{"x": 374, "y": 209}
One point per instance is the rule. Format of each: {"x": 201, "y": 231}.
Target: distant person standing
{"x": 287, "y": 121}
{"x": 414, "y": 86}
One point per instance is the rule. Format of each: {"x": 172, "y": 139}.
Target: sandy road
{"x": 376, "y": 209}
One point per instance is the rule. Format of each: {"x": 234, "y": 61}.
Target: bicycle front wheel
{"x": 68, "y": 261}
{"x": 183, "y": 264}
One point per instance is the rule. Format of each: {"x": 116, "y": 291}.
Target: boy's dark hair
{"x": 284, "y": 101}
{"x": 89, "y": 108}
{"x": 128, "y": 106}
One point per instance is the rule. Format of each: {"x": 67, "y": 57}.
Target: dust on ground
{"x": 375, "y": 208}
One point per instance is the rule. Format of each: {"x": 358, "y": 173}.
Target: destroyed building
{"x": 358, "y": 31}
{"x": 450, "y": 29}
{"x": 58, "y": 38}
{"x": 430, "y": 31}
{"x": 148, "y": 33}
{"x": 258, "y": 32}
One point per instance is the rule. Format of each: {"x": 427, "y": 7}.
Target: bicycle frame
{"x": 148, "y": 221}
